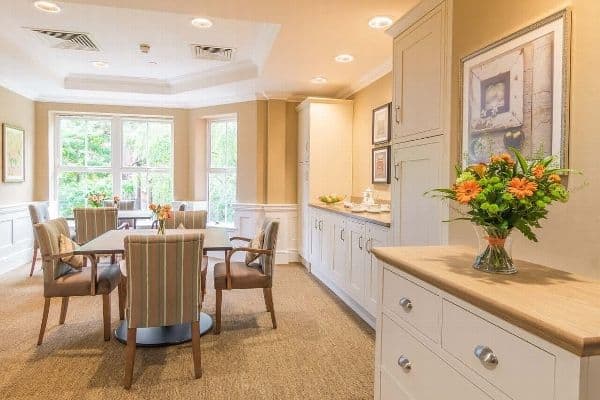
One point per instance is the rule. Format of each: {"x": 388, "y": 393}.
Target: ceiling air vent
{"x": 204, "y": 52}
{"x": 66, "y": 40}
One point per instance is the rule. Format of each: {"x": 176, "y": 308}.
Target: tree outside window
{"x": 222, "y": 170}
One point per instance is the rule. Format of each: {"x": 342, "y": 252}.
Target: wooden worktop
{"x": 383, "y": 219}
{"x": 558, "y": 306}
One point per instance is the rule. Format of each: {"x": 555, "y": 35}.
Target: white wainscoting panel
{"x": 248, "y": 217}
{"x": 16, "y": 237}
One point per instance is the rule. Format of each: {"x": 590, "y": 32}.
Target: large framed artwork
{"x": 515, "y": 93}
{"x": 381, "y": 165}
{"x": 381, "y": 125}
{"x": 13, "y": 154}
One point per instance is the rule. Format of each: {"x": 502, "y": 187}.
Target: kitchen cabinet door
{"x": 377, "y": 236}
{"x": 326, "y": 231}
{"x": 340, "y": 251}
{"x": 356, "y": 264}
{"x": 315, "y": 242}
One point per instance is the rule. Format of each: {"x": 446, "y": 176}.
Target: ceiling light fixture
{"x": 344, "y": 58}
{"x": 319, "y": 80}
{"x": 380, "y": 22}
{"x": 100, "y": 64}
{"x": 202, "y": 23}
{"x": 47, "y": 6}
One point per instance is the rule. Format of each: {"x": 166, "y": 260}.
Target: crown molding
{"x": 367, "y": 79}
{"x": 412, "y": 16}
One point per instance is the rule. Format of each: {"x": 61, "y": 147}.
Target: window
{"x": 101, "y": 153}
{"x": 222, "y": 170}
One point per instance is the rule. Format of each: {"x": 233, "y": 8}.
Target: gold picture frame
{"x": 13, "y": 154}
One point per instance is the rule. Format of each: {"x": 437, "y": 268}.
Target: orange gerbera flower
{"x": 504, "y": 157}
{"x": 521, "y": 187}
{"x": 479, "y": 169}
{"x": 467, "y": 191}
{"x": 554, "y": 178}
{"x": 538, "y": 171}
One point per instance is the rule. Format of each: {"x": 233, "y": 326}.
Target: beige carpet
{"x": 320, "y": 350}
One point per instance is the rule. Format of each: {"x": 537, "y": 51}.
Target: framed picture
{"x": 381, "y": 165}
{"x": 382, "y": 125}
{"x": 515, "y": 93}
{"x": 13, "y": 154}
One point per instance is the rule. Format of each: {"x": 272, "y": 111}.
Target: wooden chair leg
{"x": 33, "y": 260}
{"x": 44, "y": 320}
{"x": 122, "y": 291}
{"x": 106, "y": 315}
{"x": 129, "y": 356}
{"x": 265, "y": 295}
{"x": 196, "y": 349}
{"x": 63, "y": 310}
{"x": 218, "y": 307}
{"x": 270, "y": 307}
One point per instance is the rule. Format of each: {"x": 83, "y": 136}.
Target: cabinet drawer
{"x": 413, "y": 303}
{"x": 523, "y": 371}
{"x": 428, "y": 376}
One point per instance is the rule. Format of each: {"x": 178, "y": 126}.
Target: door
{"x": 419, "y": 70}
{"x": 326, "y": 231}
{"x": 356, "y": 263}
{"x": 417, "y": 218}
{"x": 377, "y": 236}
{"x": 315, "y": 241}
{"x": 340, "y": 251}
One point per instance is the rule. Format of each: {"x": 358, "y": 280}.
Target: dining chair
{"x": 163, "y": 283}
{"x": 237, "y": 275}
{"x": 93, "y": 222}
{"x": 38, "y": 213}
{"x": 121, "y": 204}
{"x": 62, "y": 280}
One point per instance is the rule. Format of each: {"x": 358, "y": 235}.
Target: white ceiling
{"x": 280, "y": 45}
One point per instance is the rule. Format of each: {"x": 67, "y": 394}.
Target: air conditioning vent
{"x": 66, "y": 40}
{"x": 204, "y": 52}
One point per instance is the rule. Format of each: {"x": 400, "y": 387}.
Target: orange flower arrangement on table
{"x": 96, "y": 199}
{"x": 503, "y": 195}
{"x": 161, "y": 213}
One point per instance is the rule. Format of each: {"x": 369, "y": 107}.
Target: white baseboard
{"x": 16, "y": 236}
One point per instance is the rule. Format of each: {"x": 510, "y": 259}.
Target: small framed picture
{"x": 381, "y": 165}
{"x": 381, "y": 125}
{"x": 13, "y": 154}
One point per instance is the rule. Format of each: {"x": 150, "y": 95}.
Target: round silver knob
{"x": 486, "y": 356}
{"x": 404, "y": 363}
{"x": 406, "y": 303}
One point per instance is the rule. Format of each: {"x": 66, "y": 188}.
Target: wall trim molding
{"x": 412, "y": 16}
{"x": 16, "y": 236}
{"x": 367, "y": 79}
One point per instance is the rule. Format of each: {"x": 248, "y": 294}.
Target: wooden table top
{"x": 134, "y": 214}
{"x": 112, "y": 242}
{"x": 560, "y": 307}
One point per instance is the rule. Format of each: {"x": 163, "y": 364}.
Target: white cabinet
{"x": 377, "y": 236}
{"x": 355, "y": 284}
{"x": 303, "y": 213}
{"x": 316, "y": 239}
{"x": 340, "y": 251}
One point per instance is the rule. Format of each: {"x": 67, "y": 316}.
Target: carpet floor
{"x": 320, "y": 350}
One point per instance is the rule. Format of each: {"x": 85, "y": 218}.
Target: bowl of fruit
{"x": 331, "y": 199}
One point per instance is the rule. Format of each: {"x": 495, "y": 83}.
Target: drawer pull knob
{"x": 486, "y": 356}
{"x": 406, "y": 303}
{"x": 404, "y": 363}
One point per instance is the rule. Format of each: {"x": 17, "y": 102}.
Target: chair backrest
{"x": 121, "y": 205}
{"x": 48, "y": 234}
{"x": 189, "y": 219}
{"x": 38, "y": 213}
{"x": 93, "y": 222}
{"x": 163, "y": 279}
{"x": 271, "y": 229}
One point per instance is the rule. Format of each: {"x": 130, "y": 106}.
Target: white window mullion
{"x": 117, "y": 148}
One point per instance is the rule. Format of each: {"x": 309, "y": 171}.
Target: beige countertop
{"x": 384, "y": 219}
{"x": 558, "y": 306}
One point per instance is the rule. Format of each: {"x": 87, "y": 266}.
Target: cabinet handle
{"x": 398, "y": 115}
{"x": 369, "y": 245}
{"x": 342, "y": 235}
{"x": 360, "y": 243}
{"x": 404, "y": 363}
{"x": 321, "y": 225}
{"x": 316, "y": 224}
{"x": 486, "y": 356}
{"x": 406, "y": 303}
{"x": 396, "y": 171}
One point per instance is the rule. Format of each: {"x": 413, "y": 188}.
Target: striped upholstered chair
{"x": 93, "y": 222}
{"x": 61, "y": 280}
{"x": 163, "y": 283}
{"x": 38, "y": 213}
{"x": 237, "y": 275}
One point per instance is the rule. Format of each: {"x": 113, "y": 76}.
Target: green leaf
{"x": 521, "y": 159}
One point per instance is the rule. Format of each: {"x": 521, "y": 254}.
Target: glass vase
{"x": 161, "y": 226}
{"x": 495, "y": 251}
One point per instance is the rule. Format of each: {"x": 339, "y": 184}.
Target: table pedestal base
{"x": 164, "y": 335}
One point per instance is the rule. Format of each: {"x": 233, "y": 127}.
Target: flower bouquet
{"x": 503, "y": 195}
{"x": 96, "y": 199}
{"x": 116, "y": 200}
{"x": 161, "y": 213}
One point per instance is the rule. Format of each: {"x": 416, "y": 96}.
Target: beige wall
{"x": 20, "y": 112}
{"x": 376, "y": 94}
{"x": 43, "y": 119}
{"x": 569, "y": 239}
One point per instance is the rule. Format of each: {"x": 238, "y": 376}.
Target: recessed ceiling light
{"x": 47, "y": 6}
{"x": 202, "y": 23}
{"x": 344, "y": 58}
{"x": 380, "y": 22}
{"x": 100, "y": 64}
{"x": 319, "y": 80}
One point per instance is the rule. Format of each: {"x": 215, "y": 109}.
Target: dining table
{"x": 134, "y": 215}
{"x": 112, "y": 243}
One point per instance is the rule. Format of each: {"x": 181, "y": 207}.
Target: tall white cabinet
{"x": 421, "y": 122}
{"x": 324, "y": 157}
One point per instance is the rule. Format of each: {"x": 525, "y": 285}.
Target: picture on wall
{"x": 515, "y": 94}
{"x": 381, "y": 165}
{"x": 13, "y": 154}
{"x": 381, "y": 124}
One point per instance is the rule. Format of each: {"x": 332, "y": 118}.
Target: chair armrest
{"x": 124, "y": 225}
{"x": 94, "y": 266}
{"x": 244, "y": 239}
{"x": 57, "y": 257}
{"x": 236, "y": 250}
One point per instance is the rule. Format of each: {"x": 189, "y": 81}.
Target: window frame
{"x": 116, "y": 136}
{"x": 224, "y": 171}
